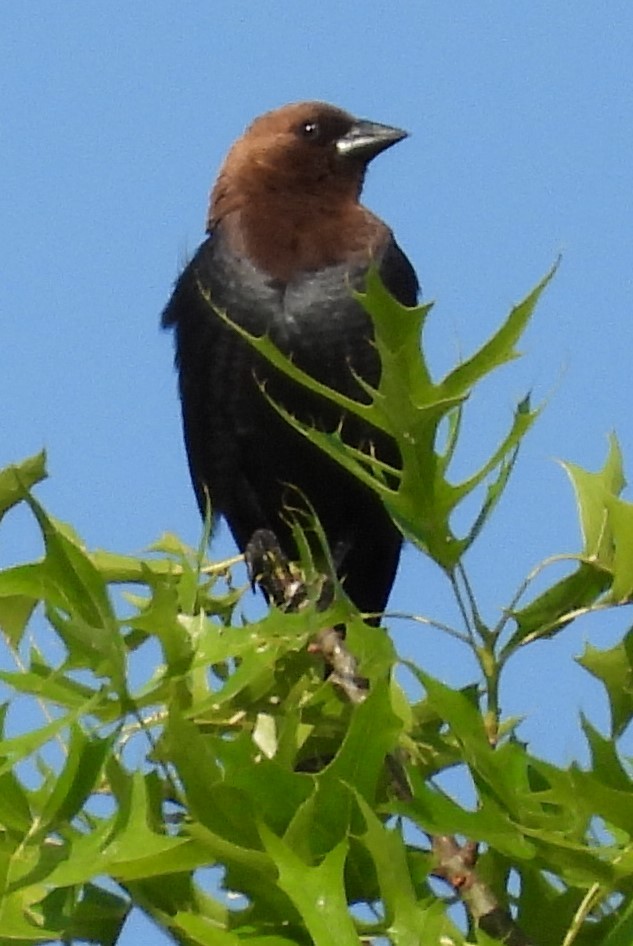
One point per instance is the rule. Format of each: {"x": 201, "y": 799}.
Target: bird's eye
{"x": 323, "y": 130}
{"x": 311, "y": 130}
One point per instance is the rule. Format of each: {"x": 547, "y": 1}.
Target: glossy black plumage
{"x": 288, "y": 241}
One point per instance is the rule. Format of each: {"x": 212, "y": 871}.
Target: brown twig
{"x": 455, "y": 864}
{"x": 341, "y": 663}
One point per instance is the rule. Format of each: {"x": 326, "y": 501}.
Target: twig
{"x": 462, "y": 608}
{"x": 455, "y": 864}
{"x": 476, "y": 617}
{"x": 430, "y": 622}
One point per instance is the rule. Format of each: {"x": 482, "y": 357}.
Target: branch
{"x": 456, "y": 865}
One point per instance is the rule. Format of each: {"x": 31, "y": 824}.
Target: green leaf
{"x": 550, "y": 612}
{"x": 620, "y": 518}
{"x": 373, "y": 732}
{"x": 16, "y": 748}
{"x": 78, "y": 778}
{"x": 614, "y": 669}
{"x": 19, "y": 921}
{"x": 503, "y": 460}
{"x": 598, "y": 799}
{"x": 605, "y": 760}
{"x": 70, "y": 568}
{"x": 435, "y": 813}
{"x": 77, "y": 595}
{"x": 273, "y": 792}
{"x": 15, "y": 480}
{"x": 317, "y": 892}
{"x": 135, "y": 849}
{"x": 193, "y": 758}
{"x": 130, "y": 570}
{"x": 97, "y": 917}
{"x": 31, "y": 581}
{"x": 53, "y": 686}
{"x": 593, "y": 490}
{"x": 359, "y": 762}
{"x": 542, "y": 906}
{"x": 15, "y": 613}
{"x": 15, "y": 810}
{"x": 407, "y": 921}
{"x": 500, "y": 348}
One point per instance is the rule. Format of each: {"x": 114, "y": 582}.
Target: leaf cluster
{"x": 315, "y": 816}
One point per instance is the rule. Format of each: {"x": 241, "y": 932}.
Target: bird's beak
{"x": 366, "y": 139}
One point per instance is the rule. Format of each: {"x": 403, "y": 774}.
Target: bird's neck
{"x": 295, "y": 237}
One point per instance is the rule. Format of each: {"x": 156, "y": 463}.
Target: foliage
{"x": 235, "y": 753}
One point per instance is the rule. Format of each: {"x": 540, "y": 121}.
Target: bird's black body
{"x": 238, "y": 446}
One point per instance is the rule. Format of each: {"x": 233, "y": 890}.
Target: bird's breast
{"x": 313, "y": 317}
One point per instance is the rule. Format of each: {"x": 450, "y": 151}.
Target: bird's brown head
{"x": 288, "y": 193}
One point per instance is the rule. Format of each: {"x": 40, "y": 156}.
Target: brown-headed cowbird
{"x": 288, "y": 241}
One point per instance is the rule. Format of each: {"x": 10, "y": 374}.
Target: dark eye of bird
{"x": 311, "y": 130}
{"x": 323, "y": 130}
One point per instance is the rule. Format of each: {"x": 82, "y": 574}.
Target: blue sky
{"x": 114, "y": 120}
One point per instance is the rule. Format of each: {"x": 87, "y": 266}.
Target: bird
{"x": 287, "y": 243}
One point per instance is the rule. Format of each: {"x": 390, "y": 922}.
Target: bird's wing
{"x": 212, "y": 377}
{"x": 398, "y": 274}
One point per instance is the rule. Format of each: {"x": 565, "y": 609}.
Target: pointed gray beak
{"x": 366, "y": 139}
